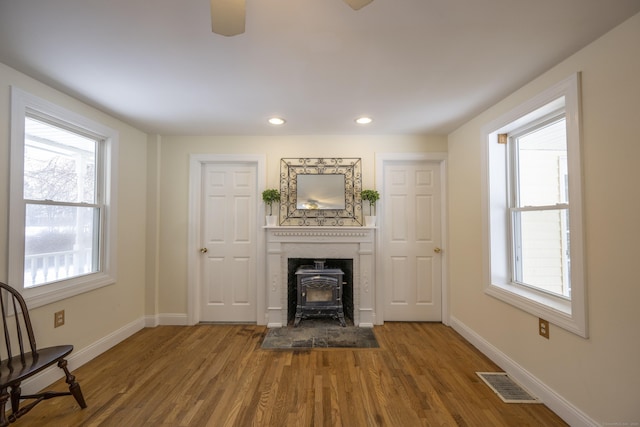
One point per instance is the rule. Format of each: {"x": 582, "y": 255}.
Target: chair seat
{"x": 17, "y": 370}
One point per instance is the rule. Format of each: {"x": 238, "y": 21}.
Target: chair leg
{"x": 16, "y": 391}
{"x": 4, "y": 396}
{"x": 74, "y": 387}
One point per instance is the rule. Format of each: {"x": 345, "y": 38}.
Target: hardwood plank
{"x": 423, "y": 374}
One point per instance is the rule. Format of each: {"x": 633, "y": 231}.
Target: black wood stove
{"x": 319, "y": 292}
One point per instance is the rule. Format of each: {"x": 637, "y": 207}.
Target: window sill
{"x": 46, "y": 294}
{"x": 556, "y": 310}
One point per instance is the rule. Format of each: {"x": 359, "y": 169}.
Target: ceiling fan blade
{"x": 357, "y": 4}
{"x": 227, "y": 17}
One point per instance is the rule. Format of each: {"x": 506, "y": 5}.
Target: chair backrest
{"x": 16, "y": 324}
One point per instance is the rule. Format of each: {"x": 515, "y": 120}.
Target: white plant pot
{"x": 272, "y": 220}
{"x": 370, "y": 220}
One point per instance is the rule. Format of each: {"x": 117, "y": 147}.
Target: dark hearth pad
{"x": 319, "y": 333}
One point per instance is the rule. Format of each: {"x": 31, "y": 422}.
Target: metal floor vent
{"x": 507, "y": 389}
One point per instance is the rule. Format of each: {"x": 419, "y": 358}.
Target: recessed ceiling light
{"x": 364, "y": 120}
{"x": 277, "y": 121}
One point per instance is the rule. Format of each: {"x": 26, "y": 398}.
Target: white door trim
{"x": 381, "y": 160}
{"x": 196, "y": 163}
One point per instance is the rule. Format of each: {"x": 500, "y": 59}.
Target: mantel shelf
{"x": 313, "y": 227}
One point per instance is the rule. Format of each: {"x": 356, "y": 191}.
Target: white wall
{"x": 173, "y": 188}
{"x": 600, "y": 376}
{"x": 91, "y": 316}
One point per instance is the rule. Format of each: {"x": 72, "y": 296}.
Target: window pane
{"x": 542, "y": 166}
{"x": 542, "y": 250}
{"x": 59, "y": 165}
{"x": 60, "y": 242}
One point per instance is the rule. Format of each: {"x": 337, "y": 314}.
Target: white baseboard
{"x": 558, "y": 404}
{"x": 167, "y": 319}
{"x": 151, "y": 321}
{"x": 274, "y": 325}
{"x": 174, "y": 319}
{"x": 79, "y": 357}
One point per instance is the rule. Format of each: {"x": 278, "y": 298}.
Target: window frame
{"x": 567, "y": 313}
{"x": 24, "y": 104}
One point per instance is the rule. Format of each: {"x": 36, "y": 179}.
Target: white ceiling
{"x": 415, "y": 66}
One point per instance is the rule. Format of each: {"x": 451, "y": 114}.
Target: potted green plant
{"x": 370, "y": 196}
{"x": 271, "y": 196}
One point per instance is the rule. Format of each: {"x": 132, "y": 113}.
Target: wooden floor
{"x": 423, "y": 374}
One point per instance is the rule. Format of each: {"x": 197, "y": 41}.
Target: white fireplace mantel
{"x": 357, "y": 243}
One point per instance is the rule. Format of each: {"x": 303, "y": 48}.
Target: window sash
{"x": 519, "y": 261}
{"x": 528, "y": 258}
{"x": 513, "y": 164}
{"x": 52, "y": 260}
{"x": 98, "y": 152}
{"x": 63, "y": 252}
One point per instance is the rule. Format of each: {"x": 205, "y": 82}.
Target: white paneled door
{"x": 411, "y": 241}
{"x": 228, "y": 276}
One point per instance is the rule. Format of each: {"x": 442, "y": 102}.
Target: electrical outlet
{"x": 543, "y": 328}
{"x": 58, "y": 318}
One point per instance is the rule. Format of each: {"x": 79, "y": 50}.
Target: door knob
{"x": 437, "y": 250}
{"x": 204, "y": 250}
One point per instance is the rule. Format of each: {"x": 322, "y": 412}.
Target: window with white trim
{"x": 61, "y": 203}
{"x": 533, "y": 201}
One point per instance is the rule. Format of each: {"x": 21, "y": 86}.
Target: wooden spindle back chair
{"x": 21, "y": 359}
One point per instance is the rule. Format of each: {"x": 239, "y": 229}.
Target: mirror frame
{"x": 290, "y": 168}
